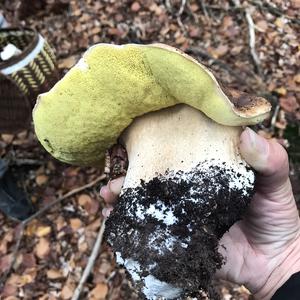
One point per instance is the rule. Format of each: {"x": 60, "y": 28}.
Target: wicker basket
{"x": 23, "y": 77}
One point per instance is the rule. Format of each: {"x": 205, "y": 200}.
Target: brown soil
{"x": 183, "y": 253}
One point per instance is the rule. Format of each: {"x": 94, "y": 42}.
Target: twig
{"x": 180, "y": 12}
{"x": 225, "y": 9}
{"x": 90, "y": 263}
{"x": 236, "y": 3}
{"x": 275, "y": 115}
{"x": 251, "y": 33}
{"x": 67, "y": 195}
{"x": 251, "y": 30}
{"x": 203, "y": 7}
{"x": 14, "y": 256}
{"x": 182, "y": 7}
{"x": 37, "y": 214}
{"x": 274, "y": 10}
{"x": 168, "y": 6}
{"x": 26, "y": 161}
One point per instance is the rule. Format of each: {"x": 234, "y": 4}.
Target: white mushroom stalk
{"x": 179, "y": 139}
{"x": 174, "y": 149}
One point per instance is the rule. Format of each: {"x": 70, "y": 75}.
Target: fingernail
{"x": 257, "y": 143}
{"x": 106, "y": 212}
{"x": 101, "y": 192}
{"x": 254, "y": 149}
{"x": 115, "y": 185}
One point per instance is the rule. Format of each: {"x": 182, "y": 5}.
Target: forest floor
{"x": 55, "y": 246}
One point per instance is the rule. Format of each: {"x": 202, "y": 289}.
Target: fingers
{"x": 267, "y": 157}
{"x": 106, "y": 211}
{"x": 115, "y": 185}
{"x": 110, "y": 193}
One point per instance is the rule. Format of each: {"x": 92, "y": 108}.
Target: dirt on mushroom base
{"x": 170, "y": 227}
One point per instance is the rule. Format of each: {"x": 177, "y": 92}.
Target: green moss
{"x": 87, "y": 110}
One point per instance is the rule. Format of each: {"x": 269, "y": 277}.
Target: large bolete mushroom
{"x": 186, "y": 182}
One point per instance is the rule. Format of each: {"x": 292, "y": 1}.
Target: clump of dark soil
{"x": 170, "y": 227}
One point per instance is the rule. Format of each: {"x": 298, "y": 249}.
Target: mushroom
{"x": 186, "y": 182}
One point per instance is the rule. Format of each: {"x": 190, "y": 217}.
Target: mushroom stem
{"x": 194, "y": 186}
{"x": 177, "y": 139}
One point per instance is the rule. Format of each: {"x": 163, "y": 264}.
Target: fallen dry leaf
{"x": 135, "y": 6}
{"x": 83, "y": 247}
{"x": 297, "y": 78}
{"x": 22, "y": 135}
{"x": 31, "y": 228}
{"x": 8, "y": 238}
{"x": 28, "y": 260}
{"x": 60, "y": 223}
{"x": 84, "y": 199}
{"x": 42, "y": 231}
{"x": 219, "y": 51}
{"x": 68, "y": 63}
{"x": 75, "y": 223}
{"x": 9, "y": 290}
{"x": 227, "y": 22}
{"x": 5, "y": 262}
{"x": 262, "y": 25}
{"x": 42, "y": 248}
{"x": 67, "y": 291}
{"x": 280, "y": 22}
{"x": 289, "y": 104}
{"x": 94, "y": 225}
{"x": 281, "y": 91}
{"x": 7, "y": 138}
{"x": 93, "y": 207}
{"x": 20, "y": 280}
{"x": 295, "y": 3}
{"x": 41, "y": 179}
{"x": 99, "y": 292}
{"x": 54, "y": 274}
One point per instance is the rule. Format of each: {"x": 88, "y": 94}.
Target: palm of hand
{"x": 257, "y": 245}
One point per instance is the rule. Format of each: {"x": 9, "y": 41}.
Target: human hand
{"x": 263, "y": 250}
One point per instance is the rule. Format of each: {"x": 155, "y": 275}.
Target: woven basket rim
{"x": 25, "y": 52}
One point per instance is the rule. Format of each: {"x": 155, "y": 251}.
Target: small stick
{"x": 203, "y": 7}
{"x": 58, "y": 200}
{"x": 251, "y": 30}
{"x": 14, "y": 256}
{"x": 275, "y": 115}
{"x": 182, "y": 7}
{"x": 180, "y": 12}
{"x": 37, "y": 214}
{"x": 25, "y": 161}
{"x": 274, "y": 10}
{"x": 90, "y": 264}
{"x": 168, "y": 5}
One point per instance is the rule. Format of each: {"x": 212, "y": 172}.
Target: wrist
{"x": 289, "y": 265}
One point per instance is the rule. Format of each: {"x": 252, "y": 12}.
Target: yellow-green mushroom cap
{"x": 86, "y": 111}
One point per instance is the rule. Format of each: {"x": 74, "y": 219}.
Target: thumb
{"x": 267, "y": 157}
